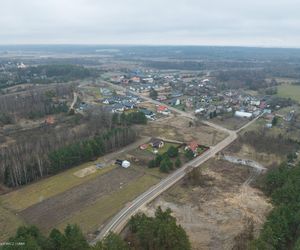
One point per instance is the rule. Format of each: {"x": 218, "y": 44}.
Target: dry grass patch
{"x": 91, "y": 217}
{"x": 34, "y": 193}
{"x": 85, "y": 172}
{"x": 178, "y": 128}
{"x": 9, "y": 222}
{"x": 215, "y": 213}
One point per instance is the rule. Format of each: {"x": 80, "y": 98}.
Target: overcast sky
{"x": 198, "y": 22}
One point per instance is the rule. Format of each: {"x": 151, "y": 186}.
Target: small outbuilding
{"x": 144, "y": 146}
{"x": 123, "y": 163}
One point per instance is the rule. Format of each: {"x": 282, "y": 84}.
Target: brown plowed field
{"x": 50, "y": 212}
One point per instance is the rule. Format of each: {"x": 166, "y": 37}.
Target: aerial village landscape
{"x": 98, "y": 143}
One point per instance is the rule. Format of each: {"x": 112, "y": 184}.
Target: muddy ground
{"x": 215, "y": 213}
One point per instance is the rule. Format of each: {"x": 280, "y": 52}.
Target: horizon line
{"x": 150, "y": 45}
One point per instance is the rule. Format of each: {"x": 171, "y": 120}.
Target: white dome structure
{"x": 125, "y": 164}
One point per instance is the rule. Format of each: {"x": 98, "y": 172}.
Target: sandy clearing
{"x": 85, "y": 172}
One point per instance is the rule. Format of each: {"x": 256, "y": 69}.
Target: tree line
{"x": 35, "y": 103}
{"x": 130, "y": 118}
{"x": 72, "y": 238}
{"x": 277, "y": 144}
{"x": 281, "y": 230}
{"x": 86, "y": 150}
{"x": 48, "y": 150}
{"x": 44, "y": 74}
{"x": 158, "y": 232}
{"x": 145, "y": 233}
{"x": 241, "y": 78}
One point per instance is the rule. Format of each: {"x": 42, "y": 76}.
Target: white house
{"x": 243, "y": 114}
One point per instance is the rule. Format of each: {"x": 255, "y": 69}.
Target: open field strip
{"x": 289, "y": 91}
{"x": 89, "y": 218}
{"x": 9, "y": 223}
{"x": 44, "y": 189}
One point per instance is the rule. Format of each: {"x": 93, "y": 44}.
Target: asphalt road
{"x": 119, "y": 221}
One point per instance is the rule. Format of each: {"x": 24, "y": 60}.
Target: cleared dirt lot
{"x": 248, "y": 152}
{"x": 214, "y": 214}
{"x": 178, "y": 128}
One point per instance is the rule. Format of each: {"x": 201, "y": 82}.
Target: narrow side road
{"x": 75, "y": 97}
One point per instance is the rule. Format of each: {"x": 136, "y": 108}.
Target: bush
{"x": 129, "y": 119}
{"x": 6, "y": 118}
{"x": 111, "y": 242}
{"x": 172, "y": 151}
{"x": 153, "y": 94}
{"x": 177, "y": 163}
{"x": 152, "y": 164}
{"x": 136, "y": 118}
{"x": 189, "y": 154}
{"x": 166, "y": 165}
{"x": 158, "y": 160}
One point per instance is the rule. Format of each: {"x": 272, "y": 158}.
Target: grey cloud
{"x": 213, "y": 22}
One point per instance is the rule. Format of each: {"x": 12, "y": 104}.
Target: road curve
{"x": 119, "y": 221}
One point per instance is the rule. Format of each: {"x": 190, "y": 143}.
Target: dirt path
{"x": 257, "y": 168}
{"x": 245, "y": 189}
{"x": 75, "y": 96}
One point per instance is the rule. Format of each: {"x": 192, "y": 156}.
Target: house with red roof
{"x": 50, "y": 120}
{"x": 144, "y": 146}
{"x": 162, "y": 110}
{"x": 135, "y": 79}
{"x": 193, "y": 146}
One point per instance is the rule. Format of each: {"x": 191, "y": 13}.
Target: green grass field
{"x": 289, "y": 91}
{"x": 43, "y": 189}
